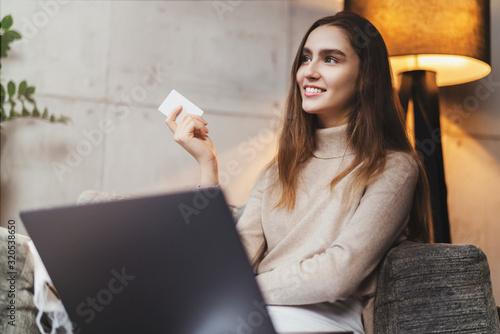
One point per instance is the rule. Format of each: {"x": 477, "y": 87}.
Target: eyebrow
{"x": 325, "y": 52}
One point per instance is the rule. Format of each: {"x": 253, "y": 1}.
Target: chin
{"x": 310, "y": 110}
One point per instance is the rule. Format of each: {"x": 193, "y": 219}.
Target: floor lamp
{"x": 431, "y": 43}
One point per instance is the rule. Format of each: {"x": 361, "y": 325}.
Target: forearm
{"x": 209, "y": 172}
{"x": 332, "y": 275}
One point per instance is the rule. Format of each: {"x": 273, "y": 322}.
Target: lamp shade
{"x": 449, "y": 37}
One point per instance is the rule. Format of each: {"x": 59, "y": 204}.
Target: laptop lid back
{"x": 162, "y": 264}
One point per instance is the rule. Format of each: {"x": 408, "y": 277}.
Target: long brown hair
{"x": 376, "y": 125}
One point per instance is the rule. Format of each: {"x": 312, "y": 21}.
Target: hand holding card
{"x": 186, "y": 134}
{"x": 175, "y": 99}
{"x": 191, "y": 132}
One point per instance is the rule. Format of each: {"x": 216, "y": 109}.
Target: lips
{"x": 314, "y": 90}
{"x": 310, "y": 91}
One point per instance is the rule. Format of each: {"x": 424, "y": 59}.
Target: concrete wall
{"x": 109, "y": 64}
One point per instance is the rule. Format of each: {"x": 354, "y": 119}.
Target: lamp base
{"x": 420, "y": 87}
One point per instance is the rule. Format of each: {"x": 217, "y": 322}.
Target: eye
{"x": 331, "y": 60}
{"x": 306, "y": 59}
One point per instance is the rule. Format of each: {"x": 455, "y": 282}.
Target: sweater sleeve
{"x": 379, "y": 220}
{"x": 250, "y": 229}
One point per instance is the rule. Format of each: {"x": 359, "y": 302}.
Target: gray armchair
{"x": 435, "y": 288}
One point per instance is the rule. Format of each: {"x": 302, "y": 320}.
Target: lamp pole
{"x": 420, "y": 87}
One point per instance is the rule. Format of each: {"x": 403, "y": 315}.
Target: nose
{"x": 311, "y": 71}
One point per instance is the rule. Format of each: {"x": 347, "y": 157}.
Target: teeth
{"x": 313, "y": 90}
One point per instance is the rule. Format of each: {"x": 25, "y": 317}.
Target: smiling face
{"x": 327, "y": 75}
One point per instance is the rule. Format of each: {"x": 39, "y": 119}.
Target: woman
{"x": 344, "y": 186}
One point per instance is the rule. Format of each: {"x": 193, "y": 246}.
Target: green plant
{"x": 19, "y": 97}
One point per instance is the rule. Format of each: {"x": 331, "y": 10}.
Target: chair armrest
{"x": 435, "y": 288}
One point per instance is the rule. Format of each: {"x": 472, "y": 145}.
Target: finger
{"x": 192, "y": 125}
{"x": 189, "y": 128}
{"x": 174, "y": 113}
{"x": 198, "y": 117}
{"x": 186, "y": 118}
{"x": 170, "y": 121}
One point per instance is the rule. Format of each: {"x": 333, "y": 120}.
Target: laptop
{"x": 170, "y": 263}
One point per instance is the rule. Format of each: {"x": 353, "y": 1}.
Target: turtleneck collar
{"x": 332, "y": 142}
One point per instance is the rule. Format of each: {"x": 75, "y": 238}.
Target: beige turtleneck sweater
{"x": 319, "y": 252}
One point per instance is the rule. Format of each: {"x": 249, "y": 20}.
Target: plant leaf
{"x": 3, "y": 49}
{"x": 22, "y": 88}
{"x": 11, "y": 89}
{"x": 13, "y": 114}
{"x": 36, "y": 112}
{"x": 29, "y": 91}
{"x": 3, "y": 116}
{"x": 2, "y": 95}
{"x": 7, "y": 22}
{"x": 25, "y": 112}
{"x": 63, "y": 119}
{"x": 11, "y": 36}
{"x": 14, "y": 34}
{"x": 7, "y": 39}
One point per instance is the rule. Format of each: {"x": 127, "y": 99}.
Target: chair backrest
{"x": 435, "y": 288}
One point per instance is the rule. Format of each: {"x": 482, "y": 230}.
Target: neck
{"x": 332, "y": 142}
{"x": 325, "y": 121}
